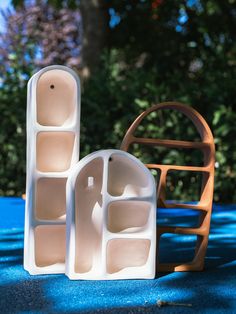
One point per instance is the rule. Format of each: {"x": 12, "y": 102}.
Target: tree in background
{"x": 155, "y": 51}
{"x": 44, "y": 34}
{"x": 36, "y": 35}
{"x": 165, "y": 51}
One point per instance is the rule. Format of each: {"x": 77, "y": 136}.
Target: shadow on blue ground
{"x": 213, "y": 290}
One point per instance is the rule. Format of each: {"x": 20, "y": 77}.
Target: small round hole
{"x": 52, "y": 86}
{"x": 110, "y": 159}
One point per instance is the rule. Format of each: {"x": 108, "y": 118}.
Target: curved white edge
{"x": 32, "y": 173}
{"x": 146, "y": 271}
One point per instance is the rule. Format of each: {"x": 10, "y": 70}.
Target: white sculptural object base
{"x": 111, "y": 218}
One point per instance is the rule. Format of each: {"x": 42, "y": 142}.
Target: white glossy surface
{"x": 53, "y": 124}
{"x": 111, "y": 218}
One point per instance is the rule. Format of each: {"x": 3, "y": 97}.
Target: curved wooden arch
{"x": 205, "y": 204}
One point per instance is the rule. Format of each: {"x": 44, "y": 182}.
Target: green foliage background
{"x": 150, "y": 57}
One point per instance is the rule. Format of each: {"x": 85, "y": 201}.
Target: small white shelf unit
{"x": 111, "y": 218}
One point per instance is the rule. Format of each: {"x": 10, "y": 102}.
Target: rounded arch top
{"x": 195, "y": 117}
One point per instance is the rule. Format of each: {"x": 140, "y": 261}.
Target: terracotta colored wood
{"x": 205, "y": 204}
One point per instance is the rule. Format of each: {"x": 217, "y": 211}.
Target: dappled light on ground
{"x": 210, "y": 291}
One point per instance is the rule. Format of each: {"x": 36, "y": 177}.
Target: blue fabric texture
{"x": 210, "y": 291}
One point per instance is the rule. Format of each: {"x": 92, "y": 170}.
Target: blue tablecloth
{"x": 211, "y": 291}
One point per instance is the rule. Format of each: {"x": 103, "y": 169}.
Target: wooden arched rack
{"x": 206, "y": 145}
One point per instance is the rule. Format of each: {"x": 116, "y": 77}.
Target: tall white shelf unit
{"x": 53, "y": 130}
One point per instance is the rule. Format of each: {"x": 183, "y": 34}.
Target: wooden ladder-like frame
{"x": 207, "y": 186}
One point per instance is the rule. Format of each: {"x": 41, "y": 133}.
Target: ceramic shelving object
{"x": 53, "y": 115}
{"x": 111, "y": 218}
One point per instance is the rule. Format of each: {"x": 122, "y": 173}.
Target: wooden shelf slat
{"x": 175, "y": 167}
{"x": 180, "y": 230}
{"x": 170, "y": 143}
{"x": 199, "y": 206}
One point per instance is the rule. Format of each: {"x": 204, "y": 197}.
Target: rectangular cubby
{"x": 88, "y": 203}
{"x": 56, "y": 99}
{"x": 179, "y": 217}
{"x": 127, "y": 216}
{"x": 183, "y": 245}
{"x": 54, "y": 151}
{"x": 50, "y": 198}
{"x": 123, "y": 253}
{"x": 162, "y": 155}
{"x": 50, "y": 245}
{"x": 184, "y": 186}
{"x": 117, "y": 180}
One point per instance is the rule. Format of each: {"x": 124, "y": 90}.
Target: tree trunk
{"x": 95, "y": 21}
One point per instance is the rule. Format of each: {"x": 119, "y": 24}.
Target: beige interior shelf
{"x": 50, "y": 245}
{"x": 56, "y": 93}
{"x": 54, "y": 151}
{"x": 127, "y": 216}
{"x": 50, "y": 199}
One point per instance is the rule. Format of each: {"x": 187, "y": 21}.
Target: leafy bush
{"x": 160, "y": 51}
{"x": 117, "y": 94}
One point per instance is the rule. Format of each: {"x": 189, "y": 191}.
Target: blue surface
{"x": 211, "y": 291}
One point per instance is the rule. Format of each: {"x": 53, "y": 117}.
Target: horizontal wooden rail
{"x": 170, "y": 143}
